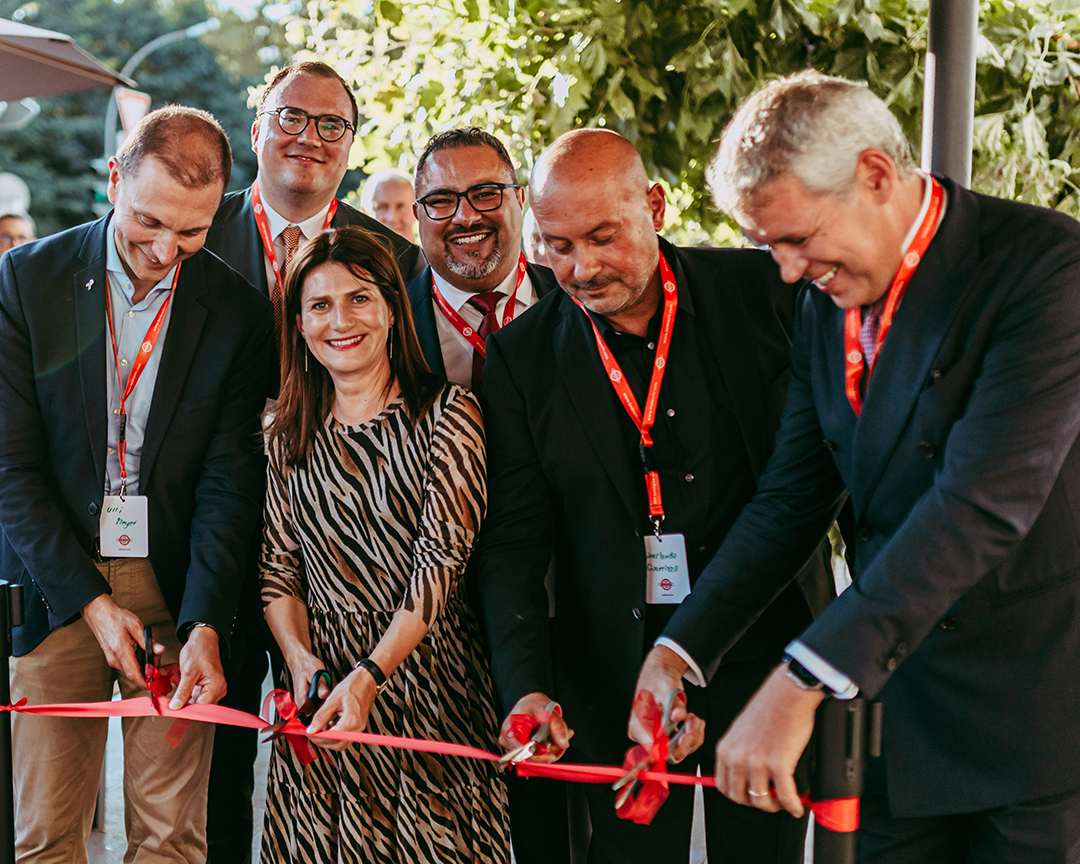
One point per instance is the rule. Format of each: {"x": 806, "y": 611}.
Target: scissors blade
{"x": 631, "y": 775}
{"x": 519, "y": 754}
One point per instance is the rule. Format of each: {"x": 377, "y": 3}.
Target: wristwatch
{"x": 375, "y": 672}
{"x": 803, "y": 677}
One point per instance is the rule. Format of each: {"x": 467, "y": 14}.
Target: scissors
{"x": 630, "y": 782}
{"x": 540, "y": 735}
{"x": 145, "y": 655}
{"x": 308, "y": 709}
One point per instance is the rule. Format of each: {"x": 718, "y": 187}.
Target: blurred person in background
{"x": 15, "y": 229}
{"x": 388, "y": 196}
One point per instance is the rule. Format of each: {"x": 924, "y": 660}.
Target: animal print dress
{"x": 384, "y": 517}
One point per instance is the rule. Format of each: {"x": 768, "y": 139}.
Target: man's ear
{"x": 657, "y": 202}
{"x": 876, "y": 174}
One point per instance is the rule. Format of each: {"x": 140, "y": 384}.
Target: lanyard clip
{"x": 656, "y": 520}
{"x": 122, "y": 436}
{"x": 644, "y": 451}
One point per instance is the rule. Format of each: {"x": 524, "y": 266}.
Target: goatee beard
{"x": 474, "y": 268}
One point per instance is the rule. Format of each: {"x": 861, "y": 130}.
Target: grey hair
{"x": 810, "y": 125}
{"x": 372, "y": 184}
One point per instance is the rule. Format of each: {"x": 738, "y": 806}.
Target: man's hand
{"x": 661, "y": 673}
{"x": 763, "y": 745}
{"x": 531, "y": 705}
{"x": 118, "y": 632}
{"x": 201, "y": 677}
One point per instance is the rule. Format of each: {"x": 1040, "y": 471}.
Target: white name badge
{"x": 122, "y": 528}
{"x": 667, "y": 576}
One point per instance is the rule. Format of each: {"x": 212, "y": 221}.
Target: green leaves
{"x": 669, "y": 75}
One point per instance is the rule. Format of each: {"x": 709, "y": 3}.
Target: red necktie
{"x": 486, "y": 302}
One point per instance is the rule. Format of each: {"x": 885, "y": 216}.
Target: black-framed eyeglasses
{"x": 484, "y": 197}
{"x": 293, "y": 121}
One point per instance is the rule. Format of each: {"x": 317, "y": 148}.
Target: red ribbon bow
{"x": 294, "y": 731}
{"x": 160, "y": 683}
{"x": 642, "y": 806}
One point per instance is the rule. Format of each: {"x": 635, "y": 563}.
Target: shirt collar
{"x": 311, "y": 227}
{"x": 118, "y": 274}
{"x": 458, "y": 298}
{"x": 927, "y": 190}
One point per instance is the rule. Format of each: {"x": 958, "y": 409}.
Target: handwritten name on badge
{"x": 122, "y": 528}
{"x": 667, "y": 575}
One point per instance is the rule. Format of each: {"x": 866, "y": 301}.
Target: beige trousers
{"x": 57, "y": 761}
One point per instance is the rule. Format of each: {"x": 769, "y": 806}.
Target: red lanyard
{"x": 264, "y": 230}
{"x": 615, "y": 374}
{"x": 141, "y": 359}
{"x": 853, "y": 355}
{"x": 462, "y": 326}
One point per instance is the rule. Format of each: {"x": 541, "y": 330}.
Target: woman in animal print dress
{"x": 376, "y": 489}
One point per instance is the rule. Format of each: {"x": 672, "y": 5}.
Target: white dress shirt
{"x": 457, "y": 351}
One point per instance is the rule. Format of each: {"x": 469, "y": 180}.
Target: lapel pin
{"x": 89, "y": 284}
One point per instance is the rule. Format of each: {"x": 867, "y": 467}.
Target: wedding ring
{"x": 754, "y": 794}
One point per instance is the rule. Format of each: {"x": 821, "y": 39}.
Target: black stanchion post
{"x": 10, "y": 616}
{"x": 846, "y": 732}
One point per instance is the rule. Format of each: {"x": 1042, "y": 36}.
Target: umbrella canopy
{"x": 36, "y": 62}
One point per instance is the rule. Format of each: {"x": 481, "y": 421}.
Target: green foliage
{"x": 669, "y": 75}
{"x": 54, "y": 153}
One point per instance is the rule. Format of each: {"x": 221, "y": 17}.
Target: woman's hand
{"x": 346, "y": 709}
{"x": 302, "y": 669}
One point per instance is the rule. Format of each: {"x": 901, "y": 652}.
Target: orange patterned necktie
{"x": 291, "y": 238}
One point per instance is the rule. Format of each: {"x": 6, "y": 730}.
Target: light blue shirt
{"x": 130, "y": 323}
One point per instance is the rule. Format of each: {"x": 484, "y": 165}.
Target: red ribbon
{"x": 160, "y": 682}
{"x": 642, "y": 806}
{"x": 836, "y": 815}
{"x": 294, "y": 731}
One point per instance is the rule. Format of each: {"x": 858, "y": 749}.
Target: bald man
{"x": 567, "y": 477}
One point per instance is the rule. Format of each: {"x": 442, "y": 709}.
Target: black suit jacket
{"x": 234, "y": 237}
{"x": 202, "y": 469}
{"x": 559, "y": 480}
{"x": 964, "y": 473}
{"x": 423, "y": 309}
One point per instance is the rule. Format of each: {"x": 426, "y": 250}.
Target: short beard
{"x": 474, "y": 268}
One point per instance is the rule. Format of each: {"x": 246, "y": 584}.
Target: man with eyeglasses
{"x": 15, "y": 229}
{"x": 469, "y": 210}
{"x": 303, "y": 129}
{"x": 632, "y": 505}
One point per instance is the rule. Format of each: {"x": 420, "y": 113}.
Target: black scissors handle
{"x": 146, "y": 655}
{"x": 314, "y": 701}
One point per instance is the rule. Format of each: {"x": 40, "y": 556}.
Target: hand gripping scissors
{"x": 307, "y": 710}
{"x": 540, "y": 735}
{"x": 630, "y": 782}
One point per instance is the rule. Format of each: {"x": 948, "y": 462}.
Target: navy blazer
{"x": 557, "y": 485}
{"x": 423, "y": 309}
{"x": 234, "y": 237}
{"x": 964, "y": 473}
{"x": 202, "y": 469}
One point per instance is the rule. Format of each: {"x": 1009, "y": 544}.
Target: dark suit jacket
{"x": 234, "y": 237}
{"x": 559, "y": 480}
{"x": 964, "y": 473}
{"x": 423, "y": 309}
{"x": 201, "y": 468}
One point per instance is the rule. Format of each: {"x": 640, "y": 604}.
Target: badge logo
{"x": 666, "y": 584}
{"x": 616, "y": 375}
{"x": 123, "y": 540}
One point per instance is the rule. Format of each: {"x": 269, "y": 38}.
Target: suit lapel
{"x": 246, "y": 236}
{"x": 584, "y": 377}
{"x": 733, "y": 349}
{"x": 427, "y": 331}
{"x": 88, "y": 292}
{"x": 181, "y": 341}
{"x": 900, "y": 374}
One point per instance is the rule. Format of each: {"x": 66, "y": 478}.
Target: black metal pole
{"x": 949, "y": 89}
{"x": 10, "y": 616}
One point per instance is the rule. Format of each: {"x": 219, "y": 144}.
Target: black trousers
{"x": 1044, "y": 831}
{"x": 229, "y": 814}
{"x": 734, "y": 834}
